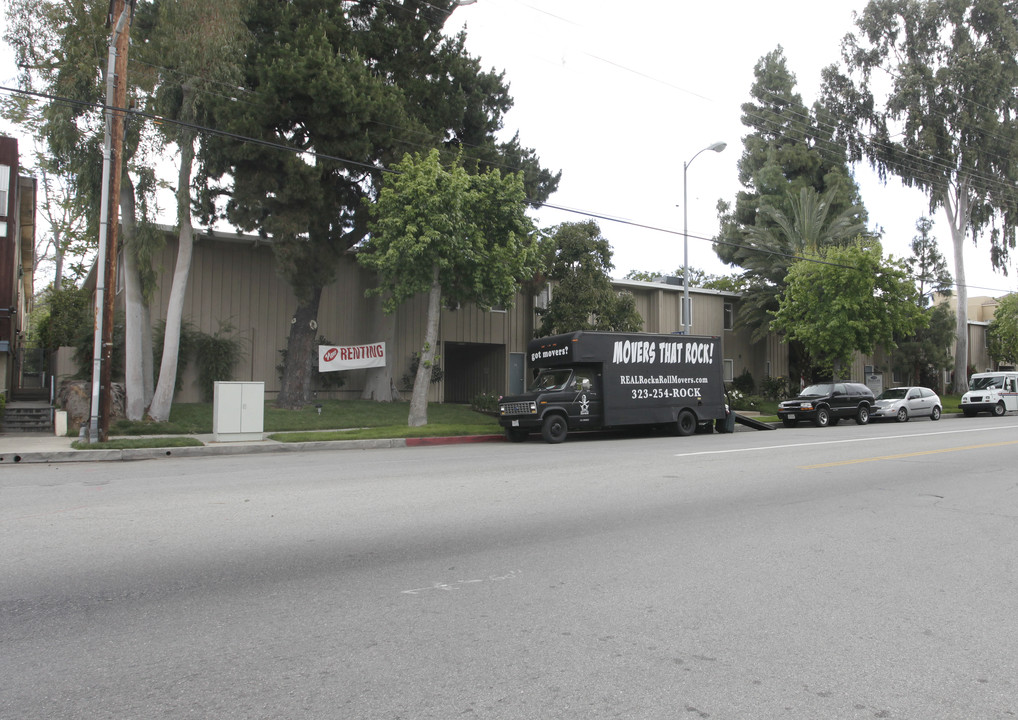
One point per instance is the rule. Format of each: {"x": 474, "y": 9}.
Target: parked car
{"x": 903, "y": 403}
{"x": 827, "y": 404}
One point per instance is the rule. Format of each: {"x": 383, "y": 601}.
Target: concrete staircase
{"x": 27, "y": 416}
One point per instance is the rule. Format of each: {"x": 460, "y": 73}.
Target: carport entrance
{"x": 473, "y": 368}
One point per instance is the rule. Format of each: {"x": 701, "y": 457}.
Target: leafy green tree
{"x": 847, "y": 299}
{"x": 1002, "y": 334}
{"x": 944, "y": 122}
{"x": 577, "y": 260}
{"x": 349, "y": 87}
{"x": 65, "y": 314}
{"x": 923, "y": 354}
{"x": 457, "y": 237}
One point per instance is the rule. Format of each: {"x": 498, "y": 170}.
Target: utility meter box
{"x": 238, "y": 411}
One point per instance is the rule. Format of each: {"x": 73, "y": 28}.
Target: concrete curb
{"x": 220, "y": 449}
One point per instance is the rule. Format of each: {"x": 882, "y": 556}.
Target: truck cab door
{"x": 587, "y": 403}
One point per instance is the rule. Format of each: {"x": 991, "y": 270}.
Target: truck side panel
{"x": 646, "y": 378}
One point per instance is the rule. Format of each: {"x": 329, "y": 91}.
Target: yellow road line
{"x": 907, "y": 455}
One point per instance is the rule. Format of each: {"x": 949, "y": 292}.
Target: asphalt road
{"x": 845, "y": 572}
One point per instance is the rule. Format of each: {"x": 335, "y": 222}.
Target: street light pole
{"x": 687, "y": 320}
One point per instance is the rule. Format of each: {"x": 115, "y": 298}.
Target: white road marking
{"x": 448, "y": 587}
{"x": 998, "y": 428}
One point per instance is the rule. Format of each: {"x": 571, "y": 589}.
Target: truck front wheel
{"x": 686, "y": 423}
{"x": 554, "y": 429}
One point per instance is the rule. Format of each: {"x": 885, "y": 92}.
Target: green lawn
{"x": 443, "y": 419}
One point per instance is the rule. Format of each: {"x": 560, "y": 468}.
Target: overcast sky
{"x": 618, "y": 96}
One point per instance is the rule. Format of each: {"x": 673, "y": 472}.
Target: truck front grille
{"x": 518, "y": 408}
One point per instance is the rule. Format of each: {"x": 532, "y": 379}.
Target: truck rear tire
{"x": 554, "y": 429}
{"x": 685, "y": 425}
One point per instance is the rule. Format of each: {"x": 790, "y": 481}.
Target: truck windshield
{"x": 551, "y": 380}
{"x": 985, "y": 382}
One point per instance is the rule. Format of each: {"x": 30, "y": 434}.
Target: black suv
{"x": 828, "y": 403}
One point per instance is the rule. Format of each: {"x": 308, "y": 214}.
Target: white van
{"x": 992, "y": 392}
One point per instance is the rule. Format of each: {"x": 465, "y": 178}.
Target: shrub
{"x": 406, "y": 383}
{"x": 744, "y": 383}
{"x": 774, "y": 388}
{"x": 485, "y": 402}
{"x": 215, "y": 356}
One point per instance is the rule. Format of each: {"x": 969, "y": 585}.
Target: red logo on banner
{"x": 331, "y": 354}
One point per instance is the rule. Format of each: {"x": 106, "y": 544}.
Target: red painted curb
{"x": 420, "y": 442}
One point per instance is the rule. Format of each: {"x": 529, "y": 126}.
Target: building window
{"x": 729, "y": 370}
{"x": 5, "y": 187}
{"x": 729, "y": 316}
{"x": 767, "y": 369}
{"x": 684, "y": 308}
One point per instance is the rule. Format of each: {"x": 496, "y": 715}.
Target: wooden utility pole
{"x": 106, "y": 286}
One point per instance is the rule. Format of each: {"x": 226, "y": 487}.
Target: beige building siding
{"x": 234, "y": 281}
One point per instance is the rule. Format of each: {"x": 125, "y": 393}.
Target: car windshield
{"x": 987, "y": 381}
{"x": 817, "y": 390}
{"x": 893, "y": 394}
{"x": 550, "y": 380}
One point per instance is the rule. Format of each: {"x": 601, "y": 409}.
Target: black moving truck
{"x": 594, "y": 380}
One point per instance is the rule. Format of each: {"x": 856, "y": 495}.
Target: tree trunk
{"x": 422, "y": 383}
{"x": 378, "y": 381}
{"x": 136, "y": 324}
{"x": 957, "y": 214}
{"x": 162, "y": 400}
{"x": 295, "y": 389}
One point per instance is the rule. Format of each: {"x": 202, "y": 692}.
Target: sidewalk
{"x": 25, "y": 447}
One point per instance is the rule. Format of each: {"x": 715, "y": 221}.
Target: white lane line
{"x": 447, "y": 587}
{"x": 998, "y": 428}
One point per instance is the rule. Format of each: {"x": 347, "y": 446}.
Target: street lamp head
{"x": 718, "y": 146}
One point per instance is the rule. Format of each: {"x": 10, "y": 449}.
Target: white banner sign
{"x": 352, "y": 357}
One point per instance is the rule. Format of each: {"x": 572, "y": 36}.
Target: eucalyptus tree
{"x": 192, "y": 50}
{"x": 927, "y": 92}
{"x": 60, "y": 48}
{"x": 350, "y": 88}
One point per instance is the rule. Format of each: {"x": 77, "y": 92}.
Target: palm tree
{"x": 772, "y": 247}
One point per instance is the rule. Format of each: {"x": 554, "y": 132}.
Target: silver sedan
{"x": 902, "y": 403}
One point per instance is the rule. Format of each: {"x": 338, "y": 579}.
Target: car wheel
{"x": 513, "y": 434}
{"x": 902, "y": 415}
{"x": 822, "y": 418}
{"x": 685, "y": 425}
{"x": 935, "y": 415}
{"x": 862, "y": 416}
{"x": 554, "y": 429}
{"x": 999, "y": 409}
{"x": 788, "y": 423}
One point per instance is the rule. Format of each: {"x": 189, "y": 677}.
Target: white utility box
{"x": 238, "y": 411}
